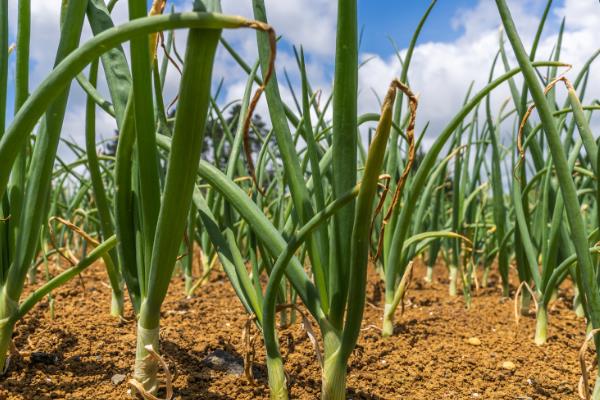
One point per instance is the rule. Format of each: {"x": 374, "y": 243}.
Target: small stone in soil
{"x": 474, "y": 341}
{"x": 509, "y": 365}
{"x": 117, "y": 379}
{"x": 224, "y": 361}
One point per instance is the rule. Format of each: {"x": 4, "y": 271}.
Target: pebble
{"x": 224, "y": 361}
{"x": 509, "y": 365}
{"x": 117, "y": 379}
{"x": 474, "y": 341}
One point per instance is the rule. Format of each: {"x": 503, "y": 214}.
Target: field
{"x": 432, "y": 356}
{"x": 267, "y": 237}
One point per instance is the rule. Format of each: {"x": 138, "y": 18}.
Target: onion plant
{"x": 575, "y": 221}
{"x": 399, "y": 254}
{"x": 29, "y": 186}
{"x": 292, "y": 212}
{"x": 320, "y": 299}
{"x": 473, "y": 218}
{"x": 335, "y": 280}
{"x": 161, "y": 217}
{"x": 49, "y": 99}
{"x": 27, "y": 174}
{"x": 538, "y": 206}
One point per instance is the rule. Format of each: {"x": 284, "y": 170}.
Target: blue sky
{"x": 455, "y": 48}
{"x": 396, "y": 18}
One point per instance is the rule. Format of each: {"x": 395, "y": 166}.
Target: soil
{"x": 83, "y": 350}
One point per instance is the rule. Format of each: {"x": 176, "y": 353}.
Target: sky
{"x": 456, "y": 47}
{"x": 396, "y": 19}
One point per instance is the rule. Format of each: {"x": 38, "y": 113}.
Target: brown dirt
{"x": 429, "y": 358}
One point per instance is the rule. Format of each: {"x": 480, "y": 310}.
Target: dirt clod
{"x": 474, "y": 341}
{"x": 509, "y": 365}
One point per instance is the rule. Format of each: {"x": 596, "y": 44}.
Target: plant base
{"x": 5, "y": 337}
{"x": 541, "y": 327}
{"x": 468, "y": 298}
{"x": 277, "y": 382}
{"x": 525, "y": 302}
{"x": 596, "y": 392}
{"x": 8, "y": 308}
{"x": 429, "y": 275}
{"x": 189, "y": 285}
{"x": 485, "y": 277}
{"x": 117, "y": 305}
{"x": 387, "y": 329}
{"x": 334, "y": 381}
{"x": 577, "y": 304}
{"x": 146, "y": 368}
{"x": 453, "y": 281}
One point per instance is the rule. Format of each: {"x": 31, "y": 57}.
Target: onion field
{"x": 287, "y": 244}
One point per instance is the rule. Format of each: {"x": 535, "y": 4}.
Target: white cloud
{"x": 310, "y": 23}
{"x": 45, "y": 34}
{"x": 478, "y": 20}
{"x": 440, "y": 71}
{"x": 581, "y": 14}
